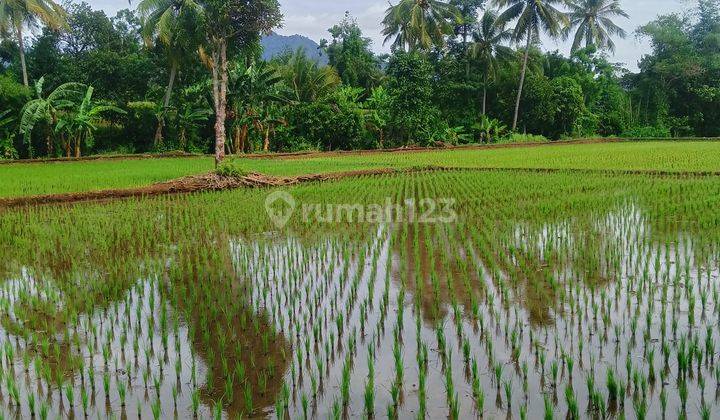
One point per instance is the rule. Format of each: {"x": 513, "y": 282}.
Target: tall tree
{"x": 467, "y": 13}
{"x": 419, "y": 24}
{"x": 532, "y": 17}
{"x": 170, "y": 22}
{"x": 350, "y": 54}
{"x": 593, "y": 20}
{"x": 228, "y": 25}
{"x": 17, "y": 14}
{"x": 488, "y": 48}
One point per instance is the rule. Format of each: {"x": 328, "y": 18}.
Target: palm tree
{"x": 46, "y": 109}
{"x": 17, "y": 14}
{"x": 419, "y": 24}
{"x": 593, "y": 20}
{"x": 305, "y": 80}
{"x": 531, "y": 16}
{"x": 80, "y": 123}
{"x": 169, "y": 22}
{"x": 488, "y": 49}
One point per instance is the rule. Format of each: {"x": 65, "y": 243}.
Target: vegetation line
{"x": 142, "y": 156}
{"x": 312, "y": 153}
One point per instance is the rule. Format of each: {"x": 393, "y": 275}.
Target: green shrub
{"x": 646, "y": 132}
{"x": 523, "y": 138}
{"x": 230, "y": 169}
{"x": 7, "y": 148}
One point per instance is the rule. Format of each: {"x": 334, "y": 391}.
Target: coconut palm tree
{"x": 531, "y": 18}
{"x": 419, "y": 24}
{"x": 171, "y": 23}
{"x": 593, "y": 20}
{"x": 487, "y": 47}
{"x": 305, "y": 80}
{"x": 15, "y": 15}
{"x": 45, "y": 109}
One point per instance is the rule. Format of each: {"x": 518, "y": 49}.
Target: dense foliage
{"x": 161, "y": 72}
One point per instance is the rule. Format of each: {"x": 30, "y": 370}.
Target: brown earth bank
{"x": 215, "y": 182}
{"x": 192, "y": 184}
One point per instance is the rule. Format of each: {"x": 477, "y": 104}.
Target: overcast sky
{"x": 312, "y": 18}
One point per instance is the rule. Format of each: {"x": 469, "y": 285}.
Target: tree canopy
{"x": 188, "y": 74}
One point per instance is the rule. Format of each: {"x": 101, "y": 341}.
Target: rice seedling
{"x": 543, "y": 273}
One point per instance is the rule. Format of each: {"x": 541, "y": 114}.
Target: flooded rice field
{"x": 547, "y": 297}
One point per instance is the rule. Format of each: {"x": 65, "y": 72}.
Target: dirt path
{"x": 314, "y": 154}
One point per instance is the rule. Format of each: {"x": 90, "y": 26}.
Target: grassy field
{"x": 592, "y": 296}
{"x": 656, "y": 155}
{"x": 35, "y": 179}
{"x": 23, "y": 179}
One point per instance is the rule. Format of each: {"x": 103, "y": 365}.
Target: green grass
{"x": 24, "y": 179}
{"x": 658, "y": 155}
{"x": 35, "y": 179}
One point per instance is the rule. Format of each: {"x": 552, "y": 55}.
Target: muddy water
{"x": 401, "y": 324}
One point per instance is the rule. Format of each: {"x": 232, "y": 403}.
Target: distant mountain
{"x": 275, "y": 45}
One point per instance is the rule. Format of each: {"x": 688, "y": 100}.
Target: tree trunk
{"x": 243, "y": 138}
{"x": 183, "y": 138}
{"x": 166, "y": 104}
{"x": 220, "y": 82}
{"x": 266, "y": 145}
{"x": 484, "y": 100}
{"x": 158, "y": 141}
{"x": 66, "y": 144}
{"x": 522, "y": 80}
{"x": 77, "y": 147}
{"x": 21, "y": 45}
{"x": 171, "y": 84}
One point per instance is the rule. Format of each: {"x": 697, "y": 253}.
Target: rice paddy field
{"x": 550, "y": 294}
{"x": 22, "y": 179}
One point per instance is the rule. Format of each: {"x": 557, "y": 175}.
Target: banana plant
{"x": 46, "y": 110}
{"x": 489, "y": 128}
{"x": 253, "y": 90}
{"x": 80, "y": 123}
{"x": 191, "y": 117}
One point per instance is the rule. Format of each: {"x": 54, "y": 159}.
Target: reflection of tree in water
{"x": 246, "y": 357}
{"x": 537, "y": 261}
